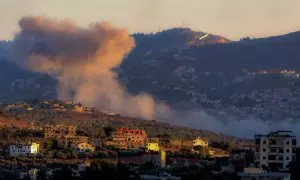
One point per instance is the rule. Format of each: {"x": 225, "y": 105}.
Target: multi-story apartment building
{"x": 59, "y": 131}
{"x": 129, "y": 138}
{"x": 23, "y": 149}
{"x": 65, "y": 135}
{"x": 275, "y": 150}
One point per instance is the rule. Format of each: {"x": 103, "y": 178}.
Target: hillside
{"x": 220, "y": 76}
{"x": 176, "y": 38}
{"x": 17, "y": 83}
{"x": 251, "y": 78}
{"x": 92, "y": 121}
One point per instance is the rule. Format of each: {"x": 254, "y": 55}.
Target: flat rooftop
{"x": 265, "y": 174}
{"x": 277, "y": 134}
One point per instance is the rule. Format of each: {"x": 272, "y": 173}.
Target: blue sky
{"x": 230, "y": 18}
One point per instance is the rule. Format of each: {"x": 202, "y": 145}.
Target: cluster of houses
{"x": 49, "y": 105}
{"x": 65, "y": 135}
{"x": 137, "y": 139}
{"x": 123, "y": 139}
{"x": 272, "y": 153}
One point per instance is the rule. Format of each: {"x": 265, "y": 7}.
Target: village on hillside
{"x": 29, "y": 150}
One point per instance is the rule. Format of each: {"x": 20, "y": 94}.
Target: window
{"x": 272, "y": 141}
{"x": 264, "y": 150}
{"x": 264, "y": 157}
{"x": 272, "y": 157}
{"x": 287, "y": 158}
{"x": 280, "y": 158}
{"x": 273, "y": 150}
{"x": 294, "y": 142}
{"x": 281, "y": 150}
{"x": 287, "y": 150}
{"x": 288, "y": 142}
{"x": 264, "y": 142}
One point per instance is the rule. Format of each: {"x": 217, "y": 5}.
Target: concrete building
{"x": 23, "y": 149}
{"x": 275, "y": 150}
{"x": 129, "y": 138}
{"x": 84, "y": 147}
{"x": 260, "y": 174}
{"x": 67, "y": 141}
{"x": 59, "y": 131}
{"x": 200, "y": 142}
{"x": 152, "y": 147}
{"x": 64, "y": 134}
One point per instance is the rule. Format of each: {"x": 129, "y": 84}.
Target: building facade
{"x": 129, "y": 138}
{"x": 275, "y": 150}
{"x": 84, "y": 147}
{"x": 260, "y": 174}
{"x": 23, "y": 149}
{"x": 59, "y": 131}
{"x": 200, "y": 142}
{"x": 152, "y": 147}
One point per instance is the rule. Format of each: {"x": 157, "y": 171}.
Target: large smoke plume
{"x": 82, "y": 59}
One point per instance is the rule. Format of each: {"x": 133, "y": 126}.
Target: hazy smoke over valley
{"x": 83, "y": 59}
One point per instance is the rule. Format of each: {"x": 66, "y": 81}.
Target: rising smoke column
{"x": 82, "y": 59}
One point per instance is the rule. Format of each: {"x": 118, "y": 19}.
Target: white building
{"x": 200, "y": 142}
{"x": 275, "y": 150}
{"x": 31, "y": 174}
{"x": 260, "y": 174}
{"x": 23, "y": 149}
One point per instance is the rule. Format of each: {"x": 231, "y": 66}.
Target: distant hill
{"x": 181, "y": 67}
{"x": 198, "y": 69}
{"x": 176, "y": 38}
{"x": 17, "y": 83}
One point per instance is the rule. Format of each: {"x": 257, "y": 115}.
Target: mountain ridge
{"x": 232, "y": 79}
